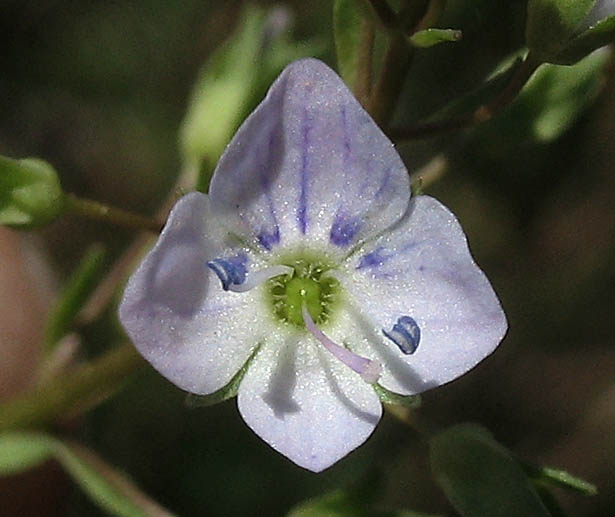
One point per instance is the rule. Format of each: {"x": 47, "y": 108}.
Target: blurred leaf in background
{"x": 233, "y": 81}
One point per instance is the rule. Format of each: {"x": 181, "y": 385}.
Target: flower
{"x": 309, "y": 274}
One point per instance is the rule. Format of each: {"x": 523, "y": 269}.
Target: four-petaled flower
{"x": 308, "y": 275}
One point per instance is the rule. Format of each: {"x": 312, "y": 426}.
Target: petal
{"x": 306, "y": 404}
{"x": 176, "y": 313}
{"x": 309, "y": 161}
{"x": 424, "y": 269}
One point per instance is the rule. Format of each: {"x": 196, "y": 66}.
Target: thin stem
{"x": 508, "y": 94}
{"x": 389, "y": 86}
{"x": 413, "y": 419}
{"x": 63, "y": 395}
{"x": 363, "y": 82}
{"x": 101, "y": 212}
{"x": 385, "y": 14}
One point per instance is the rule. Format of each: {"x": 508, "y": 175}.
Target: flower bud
{"x": 30, "y": 193}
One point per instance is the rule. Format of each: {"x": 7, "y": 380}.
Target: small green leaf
{"x": 480, "y": 477}
{"x": 550, "y": 103}
{"x": 30, "y": 193}
{"x": 22, "y": 451}
{"x": 221, "y": 93}
{"x": 595, "y": 37}
{"x": 224, "y": 393}
{"x": 430, "y": 37}
{"x": 551, "y": 24}
{"x": 79, "y": 286}
{"x": 388, "y": 397}
{"x": 561, "y": 478}
{"x": 347, "y": 22}
{"x": 107, "y": 487}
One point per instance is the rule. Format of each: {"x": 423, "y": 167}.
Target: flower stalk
{"x": 101, "y": 212}
{"x": 66, "y": 395}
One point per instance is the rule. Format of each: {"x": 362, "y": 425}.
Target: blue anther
{"x": 230, "y": 271}
{"x": 406, "y": 334}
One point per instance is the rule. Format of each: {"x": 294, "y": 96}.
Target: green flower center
{"x": 309, "y": 285}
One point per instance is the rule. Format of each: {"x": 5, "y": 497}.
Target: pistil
{"x": 368, "y": 369}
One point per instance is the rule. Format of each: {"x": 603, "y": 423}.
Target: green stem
{"x": 385, "y": 14}
{"x": 509, "y": 94}
{"x": 389, "y": 86}
{"x": 101, "y": 212}
{"x": 61, "y": 396}
{"x": 413, "y": 419}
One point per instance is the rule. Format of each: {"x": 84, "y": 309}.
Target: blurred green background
{"x": 99, "y": 89}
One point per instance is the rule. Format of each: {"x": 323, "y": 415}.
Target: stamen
{"x": 229, "y": 270}
{"x": 368, "y": 369}
{"x": 261, "y": 276}
{"x": 233, "y": 274}
{"x": 406, "y": 334}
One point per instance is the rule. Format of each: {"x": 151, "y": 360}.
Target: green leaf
{"x": 347, "y": 23}
{"x": 595, "y": 37}
{"x": 480, "y": 477}
{"x": 560, "y": 478}
{"x": 551, "y": 24}
{"x": 230, "y": 84}
{"x": 224, "y": 393}
{"x": 30, "y": 193}
{"x": 22, "y": 451}
{"x": 221, "y": 93}
{"x": 550, "y": 103}
{"x": 430, "y": 37}
{"x": 388, "y": 397}
{"x": 107, "y": 487}
{"x": 78, "y": 288}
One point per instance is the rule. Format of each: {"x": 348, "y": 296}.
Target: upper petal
{"x": 306, "y": 404}
{"x": 424, "y": 269}
{"x": 176, "y": 313}
{"x": 309, "y": 161}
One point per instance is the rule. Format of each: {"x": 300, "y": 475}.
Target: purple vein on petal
{"x": 303, "y": 173}
{"x": 268, "y": 238}
{"x": 381, "y": 255}
{"x": 345, "y": 227}
{"x": 385, "y": 181}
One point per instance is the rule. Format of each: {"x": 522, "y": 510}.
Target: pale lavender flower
{"x": 310, "y": 257}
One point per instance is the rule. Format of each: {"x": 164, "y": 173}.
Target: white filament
{"x": 261, "y": 276}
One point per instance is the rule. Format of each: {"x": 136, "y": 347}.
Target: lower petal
{"x": 307, "y": 405}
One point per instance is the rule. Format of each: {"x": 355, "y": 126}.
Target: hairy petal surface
{"x": 306, "y": 404}
{"x": 309, "y": 163}
{"x": 423, "y": 269}
{"x": 174, "y": 310}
